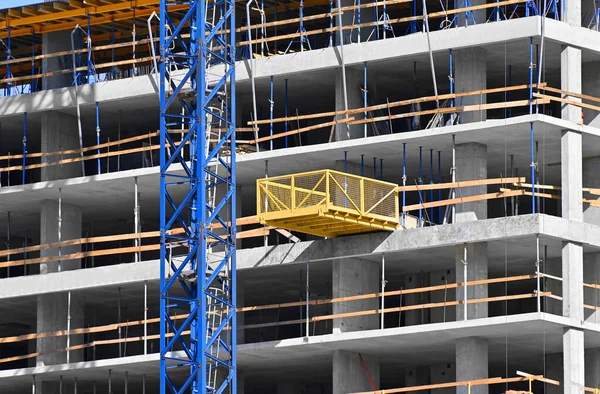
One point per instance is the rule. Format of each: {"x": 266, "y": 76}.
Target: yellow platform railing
{"x": 327, "y": 203}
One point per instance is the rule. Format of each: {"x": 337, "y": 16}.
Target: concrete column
{"x": 570, "y": 80}
{"x": 572, "y": 13}
{"x": 352, "y": 277}
{"x": 471, "y": 164}
{"x": 477, "y": 268}
{"x": 51, "y": 43}
{"x": 437, "y": 278}
{"x": 470, "y": 74}
{"x": 443, "y": 373}
{"x": 350, "y": 376}
{"x": 471, "y": 363}
{"x": 59, "y": 132}
{"x": 571, "y": 194}
{"x": 354, "y": 85}
{"x": 417, "y": 316}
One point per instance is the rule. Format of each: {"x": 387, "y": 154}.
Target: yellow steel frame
{"x": 314, "y": 211}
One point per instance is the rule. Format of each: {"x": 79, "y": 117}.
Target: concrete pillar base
{"x": 353, "y": 277}
{"x": 471, "y": 363}
{"x": 350, "y": 376}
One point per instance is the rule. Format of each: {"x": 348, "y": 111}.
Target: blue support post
{"x": 331, "y": 32}
{"x": 362, "y": 165}
{"x": 365, "y": 91}
{"x": 90, "y": 74}
{"x": 271, "y": 107}
{"x": 286, "y": 112}
{"x": 420, "y": 183}
{"x": 431, "y": 211}
{"x": 98, "y": 136}
{"x": 412, "y": 26}
{"x": 537, "y": 61}
{"x": 346, "y": 161}
{"x": 190, "y": 283}
{"x": 112, "y": 57}
{"x": 530, "y": 75}
{"x": 24, "y": 147}
{"x": 33, "y": 64}
{"x": 439, "y": 193}
{"x": 374, "y": 168}
{"x": 403, "y": 183}
{"x": 8, "y": 89}
{"x": 531, "y": 142}
{"x": 358, "y": 20}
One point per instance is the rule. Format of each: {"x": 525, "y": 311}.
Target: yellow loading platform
{"x": 328, "y": 203}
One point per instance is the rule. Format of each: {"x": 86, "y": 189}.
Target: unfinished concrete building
{"x": 460, "y": 252}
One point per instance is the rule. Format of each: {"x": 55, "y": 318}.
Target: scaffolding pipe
{"x": 68, "y": 327}
{"x": 251, "y": 61}
{"x": 420, "y": 182}
{"x": 126, "y": 382}
{"x": 286, "y": 112}
{"x": 266, "y": 239}
{"x": 143, "y": 384}
{"x": 89, "y": 45}
{"x": 59, "y": 228}
{"x": 435, "y": 89}
{"x": 431, "y": 210}
{"x": 439, "y": 179}
{"x": 156, "y": 69}
{"x": 537, "y": 273}
{"x": 145, "y": 317}
{"x": 136, "y": 219}
{"x": 341, "y": 44}
{"x": 453, "y": 171}
{"x": 512, "y": 174}
{"x": 24, "y": 147}
{"x": 8, "y": 240}
{"x": 33, "y": 63}
{"x": 403, "y": 183}
{"x": 77, "y": 98}
{"x": 383, "y": 283}
{"x": 75, "y": 386}
{"x": 465, "y": 287}
{"x": 119, "y": 320}
{"x": 358, "y": 20}
{"x": 271, "y": 107}
{"x": 32, "y": 384}
{"x": 365, "y": 91}
{"x": 307, "y": 299}
{"x": 110, "y": 379}
{"x": 98, "y": 136}
{"x": 60, "y": 384}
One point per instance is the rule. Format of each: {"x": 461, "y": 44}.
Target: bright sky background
{"x": 17, "y": 3}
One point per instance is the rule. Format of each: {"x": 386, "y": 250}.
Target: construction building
{"x": 417, "y": 196}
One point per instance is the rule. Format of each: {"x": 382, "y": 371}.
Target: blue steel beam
{"x": 200, "y": 356}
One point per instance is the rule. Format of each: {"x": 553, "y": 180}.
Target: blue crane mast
{"x": 197, "y": 197}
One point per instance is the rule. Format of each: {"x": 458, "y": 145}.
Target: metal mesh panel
{"x": 305, "y": 195}
{"x": 376, "y": 200}
{"x": 345, "y": 191}
{"x": 276, "y": 197}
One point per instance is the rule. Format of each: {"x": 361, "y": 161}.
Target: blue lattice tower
{"x": 198, "y": 199}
